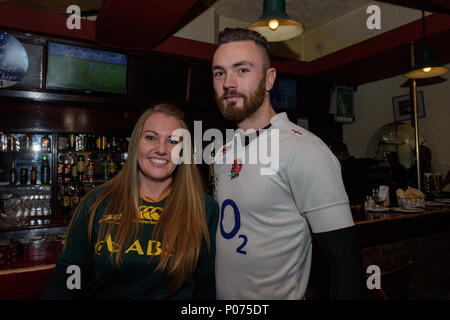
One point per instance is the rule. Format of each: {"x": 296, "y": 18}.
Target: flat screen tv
{"x": 85, "y": 69}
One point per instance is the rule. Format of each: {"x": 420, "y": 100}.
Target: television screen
{"x": 284, "y": 93}
{"x": 76, "y": 68}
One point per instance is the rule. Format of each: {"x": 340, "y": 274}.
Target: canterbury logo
{"x": 149, "y": 214}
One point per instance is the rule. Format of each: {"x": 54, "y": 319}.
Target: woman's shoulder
{"x": 210, "y": 201}
{"x": 211, "y": 206}
{"x": 94, "y": 194}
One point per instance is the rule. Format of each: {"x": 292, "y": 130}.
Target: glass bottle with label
{"x": 75, "y": 177}
{"x": 23, "y": 176}
{"x": 13, "y": 174}
{"x": 11, "y": 144}
{"x": 45, "y": 171}
{"x": 33, "y": 173}
{"x": 62, "y": 143}
{"x": 25, "y": 143}
{"x": 112, "y": 167}
{"x": 60, "y": 171}
{"x": 66, "y": 199}
{"x": 80, "y": 166}
{"x": 90, "y": 170}
{"x": 45, "y": 143}
{"x": 67, "y": 171}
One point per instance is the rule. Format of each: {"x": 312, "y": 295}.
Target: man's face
{"x": 239, "y": 79}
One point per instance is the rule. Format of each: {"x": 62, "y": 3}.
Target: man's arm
{"x": 341, "y": 249}
{"x": 319, "y": 193}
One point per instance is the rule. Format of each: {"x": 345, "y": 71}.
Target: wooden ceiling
{"x": 147, "y": 26}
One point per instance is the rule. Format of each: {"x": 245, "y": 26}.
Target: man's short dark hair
{"x": 240, "y": 34}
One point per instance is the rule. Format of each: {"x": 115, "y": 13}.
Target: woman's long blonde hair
{"x": 182, "y": 225}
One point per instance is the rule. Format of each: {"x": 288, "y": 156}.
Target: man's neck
{"x": 259, "y": 119}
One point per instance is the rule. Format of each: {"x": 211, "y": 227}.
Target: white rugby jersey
{"x": 263, "y": 242}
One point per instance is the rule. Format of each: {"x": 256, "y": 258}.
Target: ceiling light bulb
{"x": 427, "y": 69}
{"x": 273, "y": 24}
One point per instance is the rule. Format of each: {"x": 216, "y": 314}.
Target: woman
{"x": 148, "y": 233}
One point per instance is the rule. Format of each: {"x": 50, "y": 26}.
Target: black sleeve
{"x": 342, "y": 250}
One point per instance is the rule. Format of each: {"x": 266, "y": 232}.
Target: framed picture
{"x": 403, "y": 106}
{"x": 343, "y": 104}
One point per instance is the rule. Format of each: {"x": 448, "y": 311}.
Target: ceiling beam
{"x": 437, "y": 6}
{"x": 137, "y": 24}
{"x": 41, "y": 22}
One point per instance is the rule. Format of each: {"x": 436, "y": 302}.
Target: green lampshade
{"x": 275, "y": 24}
{"x": 426, "y": 66}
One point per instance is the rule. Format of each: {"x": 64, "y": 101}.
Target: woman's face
{"x": 155, "y": 146}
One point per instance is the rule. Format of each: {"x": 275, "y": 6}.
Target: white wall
{"x": 373, "y": 110}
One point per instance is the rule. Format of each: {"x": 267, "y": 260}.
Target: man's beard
{"x": 251, "y": 103}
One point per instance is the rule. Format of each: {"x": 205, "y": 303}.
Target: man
{"x": 264, "y": 239}
{"x": 353, "y": 172}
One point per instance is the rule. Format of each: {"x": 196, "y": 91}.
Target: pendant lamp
{"x": 275, "y": 24}
{"x": 425, "y": 66}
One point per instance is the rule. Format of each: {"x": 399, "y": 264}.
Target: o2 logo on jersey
{"x": 237, "y": 225}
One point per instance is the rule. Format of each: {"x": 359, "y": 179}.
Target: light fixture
{"x": 425, "y": 66}
{"x": 275, "y": 24}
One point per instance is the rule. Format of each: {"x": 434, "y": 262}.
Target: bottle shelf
{"x": 29, "y": 186}
{"x": 26, "y": 153}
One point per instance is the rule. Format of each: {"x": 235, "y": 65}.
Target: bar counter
{"x": 390, "y": 226}
{"x": 387, "y": 239}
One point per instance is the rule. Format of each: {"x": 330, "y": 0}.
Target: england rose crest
{"x": 236, "y": 168}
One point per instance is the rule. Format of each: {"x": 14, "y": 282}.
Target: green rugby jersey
{"x": 136, "y": 277}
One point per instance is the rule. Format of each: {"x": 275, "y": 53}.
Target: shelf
{"x": 25, "y": 186}
{"x": 391, "y": 142}
{"x": 25, "y": 152}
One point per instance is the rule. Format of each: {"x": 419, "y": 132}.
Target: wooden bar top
{"x": 371, "y": 217}
{"x": 378, "y": 228}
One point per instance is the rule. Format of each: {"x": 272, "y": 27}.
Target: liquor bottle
{"x": 45, "y": 143}
{"x": 62, "y": 143}
{"x": 45, "y": 171}
{"x": 60, "y": 171}
{"x": 75, "y": 177}
{"x": 75, "y": 199}
{"x": 93, "y": 142}
{"x": 98, "y": 143}
{"x": 23, "y": 177}
{"x": 84, "y": 139}
{"x": 67, "y": 171}
{"x": 25, "y": 143}
{"x": 66, "y": 199}
{"x": 90, "y": 170}
{"x": 80, "y": 166}
{"x": 113, "y": 144}
{"x": 33, "y": 173}
{"x": 112, "y": 167}
{"x": 71, "y": 146}
{"x": 105, "y": 163}
{"x": 104, "y": 145}
{"x": 11, "y": 146}
{"x": 13, "y": 174}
